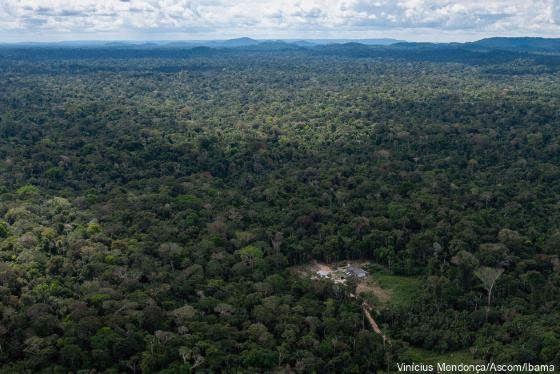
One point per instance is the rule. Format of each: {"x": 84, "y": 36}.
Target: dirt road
{"x": 374, "y": 325}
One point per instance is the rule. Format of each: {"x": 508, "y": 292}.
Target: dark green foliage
{"x": 4, "y": 230}
{"x": 152, "y": 208}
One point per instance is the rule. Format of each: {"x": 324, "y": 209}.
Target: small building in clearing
{"x": 323, "y": 273}
{"x": 353, "y": 271}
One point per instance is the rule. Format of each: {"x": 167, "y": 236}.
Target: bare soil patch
{"x": 317, "y": 266}
{"x": 371, "y": 287}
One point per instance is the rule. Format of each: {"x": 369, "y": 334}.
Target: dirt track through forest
{"x": 366, "y": 307}
{"x": 380, "y": 293}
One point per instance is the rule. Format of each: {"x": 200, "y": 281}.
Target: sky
{"x": 414, "y": 20}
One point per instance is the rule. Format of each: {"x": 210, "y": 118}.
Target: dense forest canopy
{"x": 154, "y": 203}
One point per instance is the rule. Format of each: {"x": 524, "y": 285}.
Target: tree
{"x": 191, "y": 354}
{"x": 4, "y": 231}
{"x": 488, "y": 276}
{"x": 250, "y": 254}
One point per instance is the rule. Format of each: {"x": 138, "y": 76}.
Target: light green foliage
{"x": 94, "y": 228}
{"x": 250, "y": 254}
{"x": 28, "y": 191}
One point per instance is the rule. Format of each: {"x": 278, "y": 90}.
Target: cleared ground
{"x": 399, "y": 289}
{"x": 381, "y": 289}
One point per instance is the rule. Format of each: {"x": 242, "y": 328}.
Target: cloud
{"x": 495, "y": 15}
{"x": 555, "y": 11}
{"x": 282, "y": 17}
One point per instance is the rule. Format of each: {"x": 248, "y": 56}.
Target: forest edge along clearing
{"x": 341, "y": 273}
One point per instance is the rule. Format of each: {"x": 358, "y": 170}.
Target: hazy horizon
{"x": 224, "y": 39}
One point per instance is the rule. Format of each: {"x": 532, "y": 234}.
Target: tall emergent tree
{"x": 488, "y": 276}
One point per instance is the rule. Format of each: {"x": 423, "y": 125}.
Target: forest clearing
{"x": 362, "y": 283}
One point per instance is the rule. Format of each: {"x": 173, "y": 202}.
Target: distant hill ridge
{"x": 229, "y": 43}
{"x": 537, "y": 52}
{"x": 512, "y": 43}
{"x": 516, "y": 44}
{"x": 527, "y": 43}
